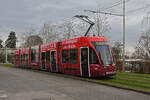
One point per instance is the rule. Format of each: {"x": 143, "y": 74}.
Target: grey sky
{"x": 17, "y": 15}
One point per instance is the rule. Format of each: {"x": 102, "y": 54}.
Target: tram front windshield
{"x": 104, "y": 52}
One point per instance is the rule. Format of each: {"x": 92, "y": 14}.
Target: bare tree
{"x": 117, "y": 52}
{"x": 138, "y": 53}
{"x": 145, "y": 24}
{"x": 101, "y": 24}
{"x": 1, "y": 46}
{"x": 144, "y": 40}
{"x": 66, "y": 29}
{"x": 33, "y": 40}
{"x": 117, "y": 49}
{"x": 48, "y": 32}
{"x": 144, "y": 45}
{"x": 24, "y": 36}
{"x": 142, "y": 49}
{"x": 80, "y": 28}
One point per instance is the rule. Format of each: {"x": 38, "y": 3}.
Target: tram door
{"x": 53, "y": 61}
{"x": 84, "y": 58}
{"x": 43, "y": 60}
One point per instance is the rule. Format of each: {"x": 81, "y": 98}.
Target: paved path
{"x": 21, "y": 84}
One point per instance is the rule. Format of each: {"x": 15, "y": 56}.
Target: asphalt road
{"x": 21, "y": 84}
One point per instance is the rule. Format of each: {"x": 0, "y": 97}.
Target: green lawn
{"x": 9, "y": 65}
{"x": 128, "y": 80}
{"x": 121, "y": 79}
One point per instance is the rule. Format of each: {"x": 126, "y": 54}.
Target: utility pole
{"x": 124, "y": 37}
{"x": 123, "y": 34}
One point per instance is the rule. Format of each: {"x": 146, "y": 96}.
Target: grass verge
{"x": 8, "y": 65}
{"x": 133, "y": 81}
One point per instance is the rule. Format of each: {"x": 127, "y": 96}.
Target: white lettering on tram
{"x": 69, "y": 46}
{"x": 69, "y": 41}
{"x": 48, "y": 46}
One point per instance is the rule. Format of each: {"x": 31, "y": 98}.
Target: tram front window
{"x": 105, "y": 53}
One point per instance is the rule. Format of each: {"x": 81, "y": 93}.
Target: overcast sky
{"x": 17, "y": 15}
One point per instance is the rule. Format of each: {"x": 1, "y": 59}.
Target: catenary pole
{"x": 123, "y": 63}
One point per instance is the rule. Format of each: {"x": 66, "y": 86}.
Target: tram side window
{"x": 93, "y": 57}
{"x": 74, "y": 56}
{"x": 65, "y": 56}
{"x": 48, "y": 56}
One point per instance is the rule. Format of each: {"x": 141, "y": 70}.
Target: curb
{"x": 124, "y": 88}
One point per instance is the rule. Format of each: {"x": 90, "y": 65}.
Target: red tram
{"x": 82, "y": 56}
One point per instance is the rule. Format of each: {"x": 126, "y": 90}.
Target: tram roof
{"x": 85, "y": 38}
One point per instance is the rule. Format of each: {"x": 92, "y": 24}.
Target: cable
{"x": 114, "y": 5}
{"x": 131, "y": 11}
